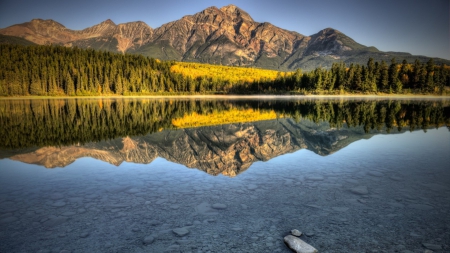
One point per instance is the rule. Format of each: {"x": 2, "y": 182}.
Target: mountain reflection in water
{"x": 54, "y": 133}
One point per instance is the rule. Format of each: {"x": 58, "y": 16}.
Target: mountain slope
{"x": 6, "y": 39}
{"x": 227, "y": 36}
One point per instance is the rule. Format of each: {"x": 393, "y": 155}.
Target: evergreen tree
{"x": 393, "y": 75}
{"x": 383, "y": 83}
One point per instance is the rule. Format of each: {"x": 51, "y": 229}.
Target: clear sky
{"x": 420, "y": 27}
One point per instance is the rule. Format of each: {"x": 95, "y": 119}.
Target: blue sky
{"x": 420, "y": 27}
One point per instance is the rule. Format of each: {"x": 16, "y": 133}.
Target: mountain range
{"x": 227, "y": 36}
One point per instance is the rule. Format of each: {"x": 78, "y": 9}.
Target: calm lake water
{"x": 148, "y": 175}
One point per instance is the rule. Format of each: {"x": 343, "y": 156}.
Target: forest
{"x": 57, "y": 122}
{"x": 60, "y": 71}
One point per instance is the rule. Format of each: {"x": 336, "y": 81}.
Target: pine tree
{"x": 430, "y": 73}
{"x": 393, "y": 75}
{"x": 384, "y": 77}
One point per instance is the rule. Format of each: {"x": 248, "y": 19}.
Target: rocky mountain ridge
{"x": 227, "y": 149}
{"x": 227, "y": 36}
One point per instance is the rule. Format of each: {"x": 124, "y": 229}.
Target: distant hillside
{"x": 226, "y": 36}
{"x": 5, "y": 39}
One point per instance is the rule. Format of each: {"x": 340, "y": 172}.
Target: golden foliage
{"x": 223, "y": 117}
{"x": 223, "y": 73}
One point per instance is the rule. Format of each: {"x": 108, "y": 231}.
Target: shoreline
{"x": 296, "y": 97}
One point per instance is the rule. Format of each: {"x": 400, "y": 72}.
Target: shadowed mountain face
{"x": 227, "y": 36}
{"x": 227, "y": 149}
{"x": 54, "y": 133}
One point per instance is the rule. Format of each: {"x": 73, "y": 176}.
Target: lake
{"x": 224, "y": 175}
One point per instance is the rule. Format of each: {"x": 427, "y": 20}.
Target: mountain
{"x": 226, "y": 149}
{"x": 227, "y": 36}
{"x": 106, "y": 35}
{"x": 5, "y": 39}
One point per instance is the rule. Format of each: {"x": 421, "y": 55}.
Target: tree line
{"x": 58, "y": 122}
{"x": 375, "y": 77}
{"x": 56, "y": 70}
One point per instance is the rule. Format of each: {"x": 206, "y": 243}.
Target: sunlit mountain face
{"x": 226, "y": 36}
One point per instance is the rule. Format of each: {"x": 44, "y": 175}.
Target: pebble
{"x": 309, "y": 234}
{"x": 173, "y": 248}
{"x": 154, "y": 223}
{"x": 340, "y": 209}
{"x": 181, "y": 231}
{"x": 295, "y": 232}
{"x": 298, "y": 245}
{"x": 413, "y": 234}
{"x": 174, "y": 207}
{"x": 161, "y": 201}
{"x": 132, "y": 190}
{"x": 205, "y": 208}
{"x": 219, "y": 206}
{"x": 148, "y": 240}
{"x": 360, "y": 190}
{"x": 432, "y": 246}
{"x": 84, "y": 234}
{"x": 58, "y": 204}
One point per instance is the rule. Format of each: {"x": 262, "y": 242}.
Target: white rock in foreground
{"x": 298, "y": 245}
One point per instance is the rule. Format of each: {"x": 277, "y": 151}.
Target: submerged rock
{"x": 295, "y": 232}
{"x": 298, "y": 245}
{"x": 432, "y": 246}
{"x": 219, "y": 206}
{"x": 360, "y": 190}
{"x": 148, "y": 240}
{"x": 181, "y": 231}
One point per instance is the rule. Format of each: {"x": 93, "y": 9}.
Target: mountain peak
{"x": 45, "y": 22}
{"x": 329, "y": 30}
{"x": 236, "y": 12}
{"x": 230, "y": 6}
{"x": 108, "y": 22}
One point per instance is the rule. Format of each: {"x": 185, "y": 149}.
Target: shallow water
{"x": 378, "y": 193}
